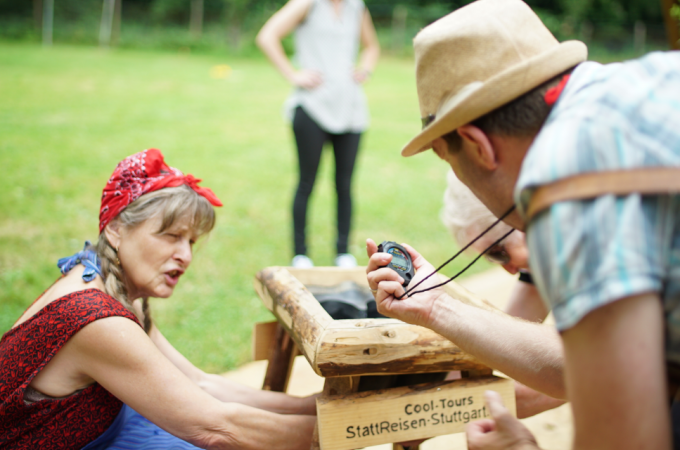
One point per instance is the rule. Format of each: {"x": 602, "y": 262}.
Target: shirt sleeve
{"x": 586, "y": 254}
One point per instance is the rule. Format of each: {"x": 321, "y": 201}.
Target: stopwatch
{"x": 401, "y": 260}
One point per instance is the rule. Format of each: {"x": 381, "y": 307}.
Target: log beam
{"x": 363, "y": 346}
{"x": 280, "y": 362}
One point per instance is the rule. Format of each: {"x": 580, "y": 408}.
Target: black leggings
{"x": 310, "y": 139}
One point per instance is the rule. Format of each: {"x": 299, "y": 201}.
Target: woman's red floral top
{"x": 67, "y": 423}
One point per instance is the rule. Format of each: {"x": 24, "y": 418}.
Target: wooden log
{"x": 334, "y": 386}
{"x": 407, "y": 413}
{"x": 340, "y": 386}
{"x": 315, "y": 438}
{"x": 476, "y": 373}
{"x": 364, "y": 346}
{"x": 280, "y": 362}
{"x": 289, "y": 299}
{"x": 264, "y": 335}
{"x": 387, "y": 346}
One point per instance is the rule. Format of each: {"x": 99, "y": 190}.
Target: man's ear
{"x": 112, "y": 232}
{"x": 440, "y": 147}
{"x": 478, "y": 146}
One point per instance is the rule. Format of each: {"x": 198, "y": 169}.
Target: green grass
{"x": 69, "y": 114}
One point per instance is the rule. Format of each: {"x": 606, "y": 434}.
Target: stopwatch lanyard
{"x": 410, "y": 291}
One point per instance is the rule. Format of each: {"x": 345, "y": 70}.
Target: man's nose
{"x": 511, "y": 268}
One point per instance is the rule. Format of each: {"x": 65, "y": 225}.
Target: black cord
{"x": 410, "y": 291}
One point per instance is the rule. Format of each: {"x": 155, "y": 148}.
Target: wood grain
{"x": 362, "y": 346}
{"x": 406, "y": 413}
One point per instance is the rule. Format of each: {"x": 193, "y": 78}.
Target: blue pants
{"x": 131, "y": 431}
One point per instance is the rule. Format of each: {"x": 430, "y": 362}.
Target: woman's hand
{"x": 418, "y": 309}
{"x": 361, "y": 75}
{"x": 306, "y": 79}
{"x": 308, "y": 405}
{"x": 501, "y": 432}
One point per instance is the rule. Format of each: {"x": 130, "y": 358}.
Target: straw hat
{"x": 479, "y": 58}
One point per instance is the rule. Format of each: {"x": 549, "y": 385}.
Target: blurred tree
{"x": 196, "y": 19}
{"x": 175, "y": 11}
{"x": 604, "y": 20}
{"x": 236, "y": 11}
{"x": 671, "y": 11}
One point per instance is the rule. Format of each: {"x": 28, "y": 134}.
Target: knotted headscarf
{"x": 139, "y": 174}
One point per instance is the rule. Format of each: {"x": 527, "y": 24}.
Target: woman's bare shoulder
{"x": 66, "y": 285}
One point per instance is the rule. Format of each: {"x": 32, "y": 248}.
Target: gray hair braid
{"x": 112, "y": 272}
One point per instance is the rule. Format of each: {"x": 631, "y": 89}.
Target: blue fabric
{"x": 131, "y": 431}
{"x": 586, "y": 254}
{"x": 87, "y": 258}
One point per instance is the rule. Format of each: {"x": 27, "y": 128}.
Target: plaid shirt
{"x": 586, "y": 254}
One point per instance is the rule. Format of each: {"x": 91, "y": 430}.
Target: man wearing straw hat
{"x": 589, "y": 155}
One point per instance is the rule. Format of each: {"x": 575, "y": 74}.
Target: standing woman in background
{"x": 328, "y": 103}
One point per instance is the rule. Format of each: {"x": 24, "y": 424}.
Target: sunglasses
{"x": 498, "y": 255}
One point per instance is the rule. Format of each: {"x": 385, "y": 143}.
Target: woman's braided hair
{"x": 172, "y": 204}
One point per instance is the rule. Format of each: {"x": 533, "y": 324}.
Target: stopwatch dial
{"x": 399, "y": 259}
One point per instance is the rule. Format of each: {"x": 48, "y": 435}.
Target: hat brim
{"x": 483, "y": 97}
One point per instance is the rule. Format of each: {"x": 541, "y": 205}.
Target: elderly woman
{"x": 466, "y": 217}
{"x": 85, "y": 367}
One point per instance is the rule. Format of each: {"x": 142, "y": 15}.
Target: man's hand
{"x": 501, "y": 432}
{"x": 386, "y": 284}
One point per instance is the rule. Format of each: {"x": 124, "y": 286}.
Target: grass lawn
{"x": 69, "y": 114}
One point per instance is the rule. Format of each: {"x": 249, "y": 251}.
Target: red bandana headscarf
{"x": 139, "y": 174}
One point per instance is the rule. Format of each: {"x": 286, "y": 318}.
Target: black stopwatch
{"x": 401, "y": 260}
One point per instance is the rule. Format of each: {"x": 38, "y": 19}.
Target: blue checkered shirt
{"x": 586, "y": 254}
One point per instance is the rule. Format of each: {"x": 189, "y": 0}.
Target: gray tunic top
{"x": 329, "y": 44}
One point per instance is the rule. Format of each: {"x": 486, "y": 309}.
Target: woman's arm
{"x": 230, "y": 391}
{"x": 117, "y": 354}
{"x": 269, "y": 40}
{"x": 371, "y": 49}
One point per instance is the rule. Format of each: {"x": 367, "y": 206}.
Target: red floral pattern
{"x": 66, "y": 423}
